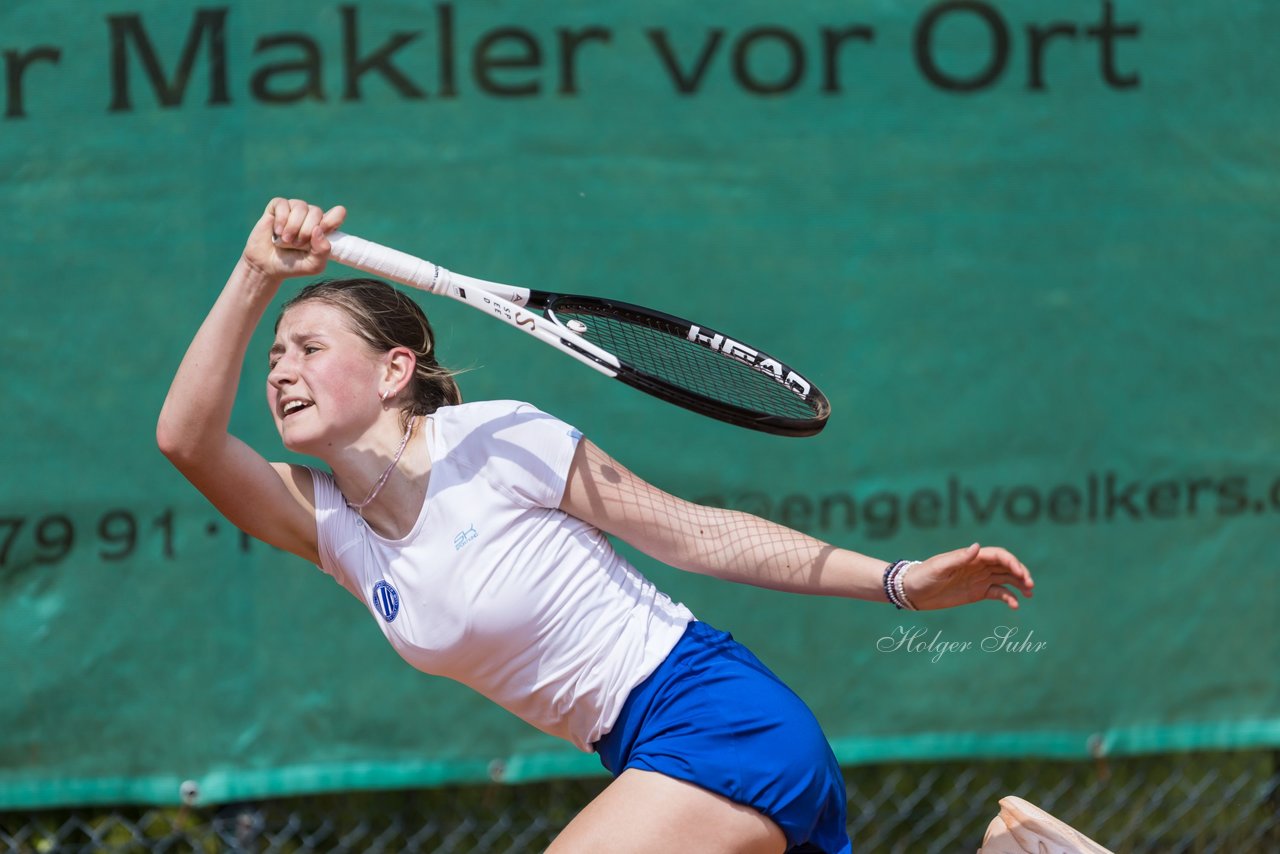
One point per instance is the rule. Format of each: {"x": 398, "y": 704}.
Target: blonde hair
{"x": 387, "y": 318}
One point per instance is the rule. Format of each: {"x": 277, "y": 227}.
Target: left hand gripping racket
{"x": 679, "y": 361}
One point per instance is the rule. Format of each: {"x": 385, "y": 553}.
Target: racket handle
{"x": 387, "y": 262}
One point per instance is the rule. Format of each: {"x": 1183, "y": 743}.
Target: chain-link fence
{"x": 1177, "y": 804}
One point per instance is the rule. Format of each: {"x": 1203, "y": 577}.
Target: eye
{"x": 310, "y": 348}
{"x": 271, "y": 364}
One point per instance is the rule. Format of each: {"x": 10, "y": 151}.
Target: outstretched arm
{"x": 269, "y": 501}
{"x": 740, "y": 547}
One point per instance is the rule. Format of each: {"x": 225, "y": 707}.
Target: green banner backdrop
{"x": 1026, "y": 247}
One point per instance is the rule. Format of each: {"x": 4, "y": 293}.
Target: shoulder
{"x": 495, "y": 418}
{"x": 326, "y": 497}
{"x": 319, "y": 482}
{"x": 483, "y": 410}
{"x": 336, "y": 525}
{"x": 511, "y": 444}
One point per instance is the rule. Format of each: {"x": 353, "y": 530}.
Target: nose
{"x": 282, "y": 373}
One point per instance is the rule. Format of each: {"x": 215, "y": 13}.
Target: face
{"x": 324, "y": 379}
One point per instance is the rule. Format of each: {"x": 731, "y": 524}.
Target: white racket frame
{"x": 508, "y": 303}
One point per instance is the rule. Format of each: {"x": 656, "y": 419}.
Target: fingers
{"x": 319, "y": 241}
{"x": 294, "y": 221}
{"x": 278, "y": 209}
{"x": 329, "y": 222}
{"x": 1009, "y": 578}
{"x": 1004, "y": 558}
{"x": 333, "y": 218}
{"x": 999, "y": 594}
{"x": 995, "y": 554}
{"x": 303, "y": 219}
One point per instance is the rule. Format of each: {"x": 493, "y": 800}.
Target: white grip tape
{"x": 391, "y": 263}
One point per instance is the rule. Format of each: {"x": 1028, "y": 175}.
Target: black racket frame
{"x": 678, "y": 327}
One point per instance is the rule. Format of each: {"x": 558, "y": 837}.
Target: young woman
{"x": 475, "y": 535}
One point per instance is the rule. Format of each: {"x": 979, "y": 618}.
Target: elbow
{"x": 175, "y": 442}
{"x": 167, "y": 440}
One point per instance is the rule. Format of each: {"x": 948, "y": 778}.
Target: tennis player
{"x": 475, "y": 534}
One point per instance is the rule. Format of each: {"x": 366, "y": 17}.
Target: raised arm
{"x": 744, "y": 548}
{"x": 272, "y": 502}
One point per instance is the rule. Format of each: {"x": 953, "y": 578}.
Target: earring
{"x": 386, "y": 392}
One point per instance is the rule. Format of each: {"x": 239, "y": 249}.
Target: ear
{"x": 400, "y": 363}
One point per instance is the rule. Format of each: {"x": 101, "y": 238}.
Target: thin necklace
{"x": 382, "y": 481}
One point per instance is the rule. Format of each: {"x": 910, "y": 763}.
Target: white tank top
{"x": 495, "y": 586}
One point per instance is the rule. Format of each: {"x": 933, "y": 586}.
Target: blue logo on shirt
{"x": 386, "y": 600}
{"x": 463, "y": 537}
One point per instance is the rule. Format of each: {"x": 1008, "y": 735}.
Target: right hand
{"x": 292, "y": 238}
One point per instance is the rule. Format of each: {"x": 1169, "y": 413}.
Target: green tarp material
{"x": 1027, "y": 248}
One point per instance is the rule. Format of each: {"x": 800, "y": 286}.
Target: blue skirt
{"x": 714, "y": 716}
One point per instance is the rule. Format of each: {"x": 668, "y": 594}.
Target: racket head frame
{"x": 516, "y": 306}
{"x": 723, "y": 346}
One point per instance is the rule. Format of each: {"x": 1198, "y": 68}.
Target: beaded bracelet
{"x": 890, "y": 590}
{"x": 894, "y": 588}
{"x": 900, "y": 582}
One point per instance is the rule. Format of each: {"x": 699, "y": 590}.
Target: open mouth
{"x": 293, "y": 407}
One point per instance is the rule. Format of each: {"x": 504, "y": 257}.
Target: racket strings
{"x": 660, "y": 349}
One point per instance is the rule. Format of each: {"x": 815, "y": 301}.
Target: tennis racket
{"x": 676, "y": 360}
